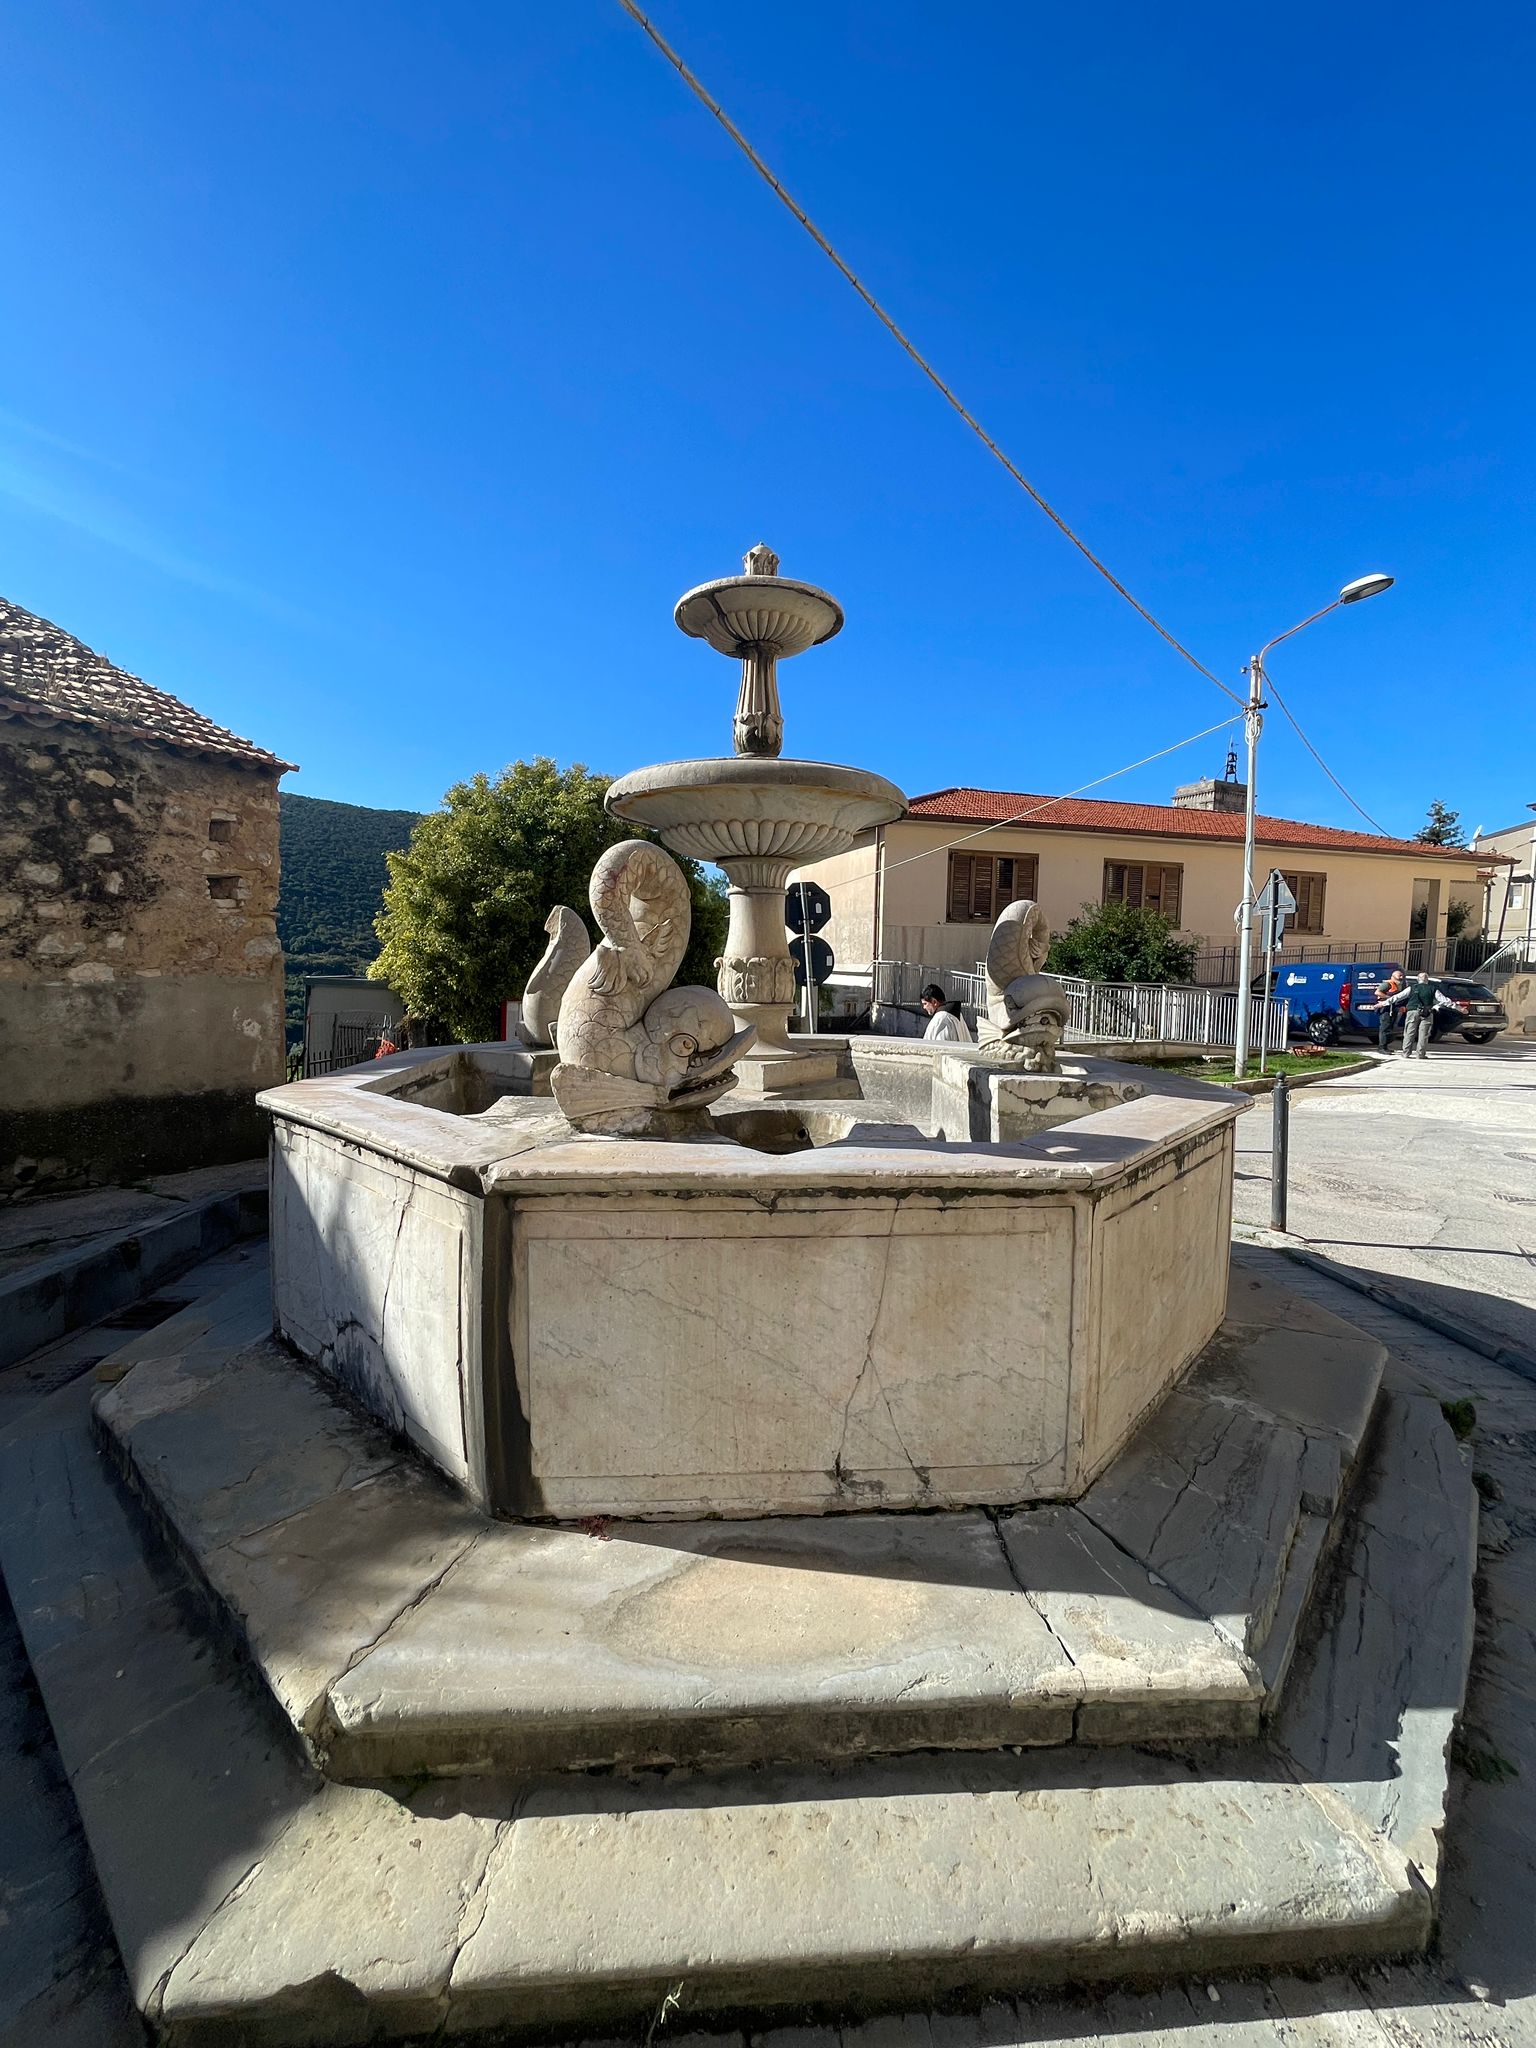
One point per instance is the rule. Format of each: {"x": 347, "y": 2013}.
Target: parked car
{"x": 1482, "y": 1015}
{"x": 1332, "y": 999}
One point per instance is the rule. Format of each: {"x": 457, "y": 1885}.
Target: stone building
{"x": 141, "y": 977}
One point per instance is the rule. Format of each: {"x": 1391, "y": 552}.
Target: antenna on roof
{"x": 1231, "y": 774}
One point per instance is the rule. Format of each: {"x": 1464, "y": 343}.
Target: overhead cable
{"x": 707, "y": 99}
{"x": 1317, "y": 757}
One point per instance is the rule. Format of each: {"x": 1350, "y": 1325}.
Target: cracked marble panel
{"x": 870, "y": 1353}
{"x": 376, "y": 1279}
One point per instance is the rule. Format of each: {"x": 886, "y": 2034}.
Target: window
{"x": 1145, "y": 885}
{"x": 983, "y": 884}
{"x": 224, "y": 888}
{"x": 221, "y": 829}
{"x": 1308, "y": 891}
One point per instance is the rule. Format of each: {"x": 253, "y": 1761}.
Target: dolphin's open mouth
{"x": 708, "y": 1064}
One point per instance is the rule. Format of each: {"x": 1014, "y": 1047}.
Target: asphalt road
{"x": 1420, "y": 1171}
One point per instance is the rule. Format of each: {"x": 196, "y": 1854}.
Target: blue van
{"x": 1330, "y": 999}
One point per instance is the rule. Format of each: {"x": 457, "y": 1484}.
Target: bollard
{"x": 1279, "y": 1158}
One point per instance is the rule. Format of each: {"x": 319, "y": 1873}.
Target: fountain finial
{"x": 759, "y": 617}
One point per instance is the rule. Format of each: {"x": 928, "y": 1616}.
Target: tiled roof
{"x": 47, "y": 672}
{"x": 1163, "y": 821}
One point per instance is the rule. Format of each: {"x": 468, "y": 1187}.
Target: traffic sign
{"x": 1276, "y": 895}
{"x": 807, "y": 906}
{"x": 822, "y": 961}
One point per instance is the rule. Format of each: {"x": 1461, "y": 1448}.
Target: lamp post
{"x": 1253, "y": 725}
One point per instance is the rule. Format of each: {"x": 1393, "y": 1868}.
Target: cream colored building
{"x": 928, "y": 888}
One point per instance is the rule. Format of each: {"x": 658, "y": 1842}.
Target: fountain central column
{"x": 756, "y": 973}
{"x": 754, "y": 815}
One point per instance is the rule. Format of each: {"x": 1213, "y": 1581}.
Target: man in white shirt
{"x": 944, "y": 1024}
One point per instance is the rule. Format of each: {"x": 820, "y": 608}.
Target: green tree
{"x": 1441, "y": 827}
{"x": 1114, "y": 942}
{"x": 463, "y": 917}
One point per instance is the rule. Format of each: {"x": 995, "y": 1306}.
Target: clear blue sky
{"x": 376, "y": 377}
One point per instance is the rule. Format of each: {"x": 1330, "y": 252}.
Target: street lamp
{"x": 1253, "y": 725}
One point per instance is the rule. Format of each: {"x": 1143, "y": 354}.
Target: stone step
{"x": 404, "y": 1634}
{"x": 44, "y": 1299}
{"x": 408, "y": 1635}
{"x": 255, "y": 1901}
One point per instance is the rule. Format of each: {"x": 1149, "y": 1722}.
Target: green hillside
{"x": 333, "y": 877}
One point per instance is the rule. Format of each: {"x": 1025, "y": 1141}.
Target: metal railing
{"x": 1152, "y": 1012}
{"x": 898, "y": 985}
{"x": 354, "y": 1038}
{"x": 1139, "y": 1012}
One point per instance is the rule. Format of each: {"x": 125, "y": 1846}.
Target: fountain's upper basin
{"x": 731, "y": 805}
{"x": 737, "y": 613}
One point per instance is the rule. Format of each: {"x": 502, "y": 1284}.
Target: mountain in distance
{"x": 331, "y": 886}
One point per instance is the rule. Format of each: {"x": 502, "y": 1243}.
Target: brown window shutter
{"x": 1315, "y": 899}
{"x": 959, "y": 888}
{"x": 1172, "y": 892}
{"x": 1114, "y": 882}
{"x": 1028, "y": 872}
{"x": 981, "y": 888}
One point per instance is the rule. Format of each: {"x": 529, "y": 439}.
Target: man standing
{"x": 1389, "y": 994}
{"x": 945, "y": 1024}
{"x": 1420, "y": 1005}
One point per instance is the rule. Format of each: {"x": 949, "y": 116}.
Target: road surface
{"x": 1420, "y": 1171}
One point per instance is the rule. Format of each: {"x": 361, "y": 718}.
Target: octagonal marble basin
{"x": 734, "y": 806}
{"x": 810, "y": 1309}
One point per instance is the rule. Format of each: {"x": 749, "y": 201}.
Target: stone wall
{"x": 140, "y": 970}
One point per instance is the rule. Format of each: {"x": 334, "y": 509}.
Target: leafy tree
{"x": 1441, "y": 827}
{"x": 463, "y": 917}
{"x": 1114, "y": 942}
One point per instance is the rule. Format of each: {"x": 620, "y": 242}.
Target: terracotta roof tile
{"x": 46, "y": 671}
{"x": 1165, "y": 821}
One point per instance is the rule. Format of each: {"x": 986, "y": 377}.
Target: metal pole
{"x": 811, "y": 1017}
{"x": 1279, "y": 1158}
{"x": 1272, "y": 923}
{"x": 1253, "y": 725}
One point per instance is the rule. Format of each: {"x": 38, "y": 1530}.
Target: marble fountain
{"x": 748, "y": 1277}
{"x": 741, "y": 1527}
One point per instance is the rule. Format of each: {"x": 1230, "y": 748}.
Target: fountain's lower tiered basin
{"x": 929, "y": 1290}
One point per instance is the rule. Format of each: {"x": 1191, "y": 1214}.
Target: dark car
{"x": 1481, "y": 1015}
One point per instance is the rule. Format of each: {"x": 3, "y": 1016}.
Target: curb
{"x": 1470, "y": 1335}
{"x": 1264, "y": 1084}
{"x": 45, "y": 1301}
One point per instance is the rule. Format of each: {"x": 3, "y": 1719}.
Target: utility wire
{"x": 706, "y": 99}
{"x": 997, "y": 824}
{"x": 1317, "y": 757}
{"x": 713, "y": 106}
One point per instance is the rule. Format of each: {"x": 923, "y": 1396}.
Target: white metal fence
{"x": 1142, "y": 1011}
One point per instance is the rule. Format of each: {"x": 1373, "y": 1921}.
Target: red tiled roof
{"x": 47, "y": 672}
{"x": 1165, "y": 821}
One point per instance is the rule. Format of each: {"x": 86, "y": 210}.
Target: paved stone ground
{"x": 1422, "y": 1171}
{"x": 33, "y": 1230}
{"x": 60, "y": 1984}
